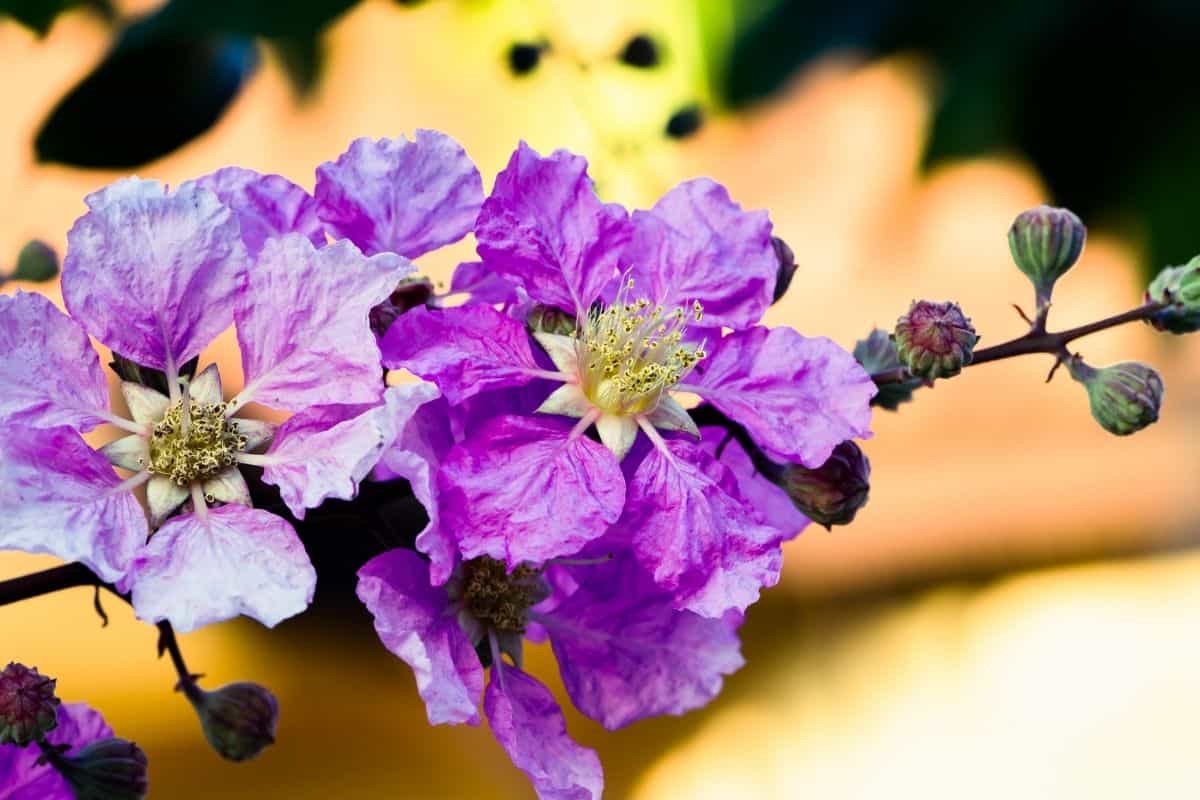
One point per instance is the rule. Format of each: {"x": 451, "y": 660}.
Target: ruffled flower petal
{"x": 266, "y": 206}
{"x": 49, "y": 372}
{"x": 236, "y": 560}
{"x": 23, "y": 778}
{"x": 544, "y": 228}
{"x": 799, "y": 397}
{"x": 626, "y": 654}
{"x": 692, "y": 530}
{"x": 698, "y": 245}
{"x": 61, "y": 497}
{"x": 768, "y": 499}
{"x": 523, "y": 490}
{"x": 153, "y": 274}
{"x": 413, "y": 622}
{"x": 526, "y": 720}
{"x": 464, "y": 350}
{"x": 483, "y": 285}
{"x": 163, "y": 496}
{"x": 397, "y": 196}
{"x": 303, "y": 327}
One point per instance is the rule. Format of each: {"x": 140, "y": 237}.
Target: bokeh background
{"x": 1014, "y": 612}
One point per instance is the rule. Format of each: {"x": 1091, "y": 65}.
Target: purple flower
{"x": 625, "y": 652}
{"x": 156, "y": 276}
{"x": 652, "y": 294}
{"x": 23, "y": 778}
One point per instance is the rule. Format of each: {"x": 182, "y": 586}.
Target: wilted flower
{"x": 28, "y": 707}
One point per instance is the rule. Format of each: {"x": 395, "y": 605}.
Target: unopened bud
{"x": 1124, "y": 397}
{"x": 238, "y": 719}
{"x": 28, "y": 707}
{"x": 877, "y": 354}
{"x": 548, "y": 319}
{"x": 110, "y": 769}
{"x": 934, "y": 340}
{"x": 412, "y": 292}
{"x": 37, "y": 261}
{"x": 1046, "y": 242}
{"x": 832, "y": 493}
{"x": 1179, "y": 287}
{"x": 787, "y": 267}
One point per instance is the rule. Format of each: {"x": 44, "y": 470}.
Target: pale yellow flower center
{"x": 194, "y": 441}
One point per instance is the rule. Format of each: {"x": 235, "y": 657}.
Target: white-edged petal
{"x": 164, "y": 496}
{"x": 670, "y": 416}
{"x": 227, "y": 486}
{"x": 146, "y": 406}
{"x": 617, "y": 432}
{"x": 206, "y": 387}
{"x": 568, "y": 400}
{"x": 256, "y": 431}
{"x": 128, "y": 452}
{"x": 561, "y": 350}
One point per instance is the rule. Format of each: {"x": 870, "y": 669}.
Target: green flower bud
{"x": 110, "y": 769}
{"x": 935, "y": 340}
{"x": 832, "y": 493}
{"x": 877, "y": 354}
{"x": 28, "y": 707}
{"x": 548, "y": 319}
{"x": 37, "y": 261}
{"x": 1180, "y": 287}
{"x": 1046, "y": 242}
{"x": 1124, "y": 397}
{"x": 238, "y": 719}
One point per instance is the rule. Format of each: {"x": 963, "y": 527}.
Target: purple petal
{"x": 22, "y": 778}
{"x": 303, "y": 327}
{"x": 413, "y": 622}
{"x": 544, "y": 228}
{"x": 799, "y": 397}
{"x": 768, "y": 499}
{"x": 523, "y": 490}
{"x": 483, "y": 285}
{"x": 698, "y": 245}
{"x": 627, "y": 654}
{"x": 59, "y": 496}
{"x": 397, "y": 196}
{"x": 237, "y": 560}
{"x": 464, "y": 350}
{"x": 49, "y": 372}
{"x": 153, "y": 274}
{"x": 266, "y": 206}
{"x": 692, "y": 530}
{"x": 526, "y": 720}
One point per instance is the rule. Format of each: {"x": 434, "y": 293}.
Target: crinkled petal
{"x": 153, "y": 274}
{"x": 266, "y": 206}
{"x": 483, "y": 285}
{"x": 799, "y": 397}
{"x": 59, "y": 496}
{"x": 397, "y": 196}
{"x": 227, "y": 486}
{"x": 698, "y": 245}
{"x": 526, "y": 720}
{"x": 22, "y": 778}
{"x": 544, "y": 228}
{"x": 49, "y": 372}
{"x": 146, "y": 405}
{"x": 464, "y": 350}
{"x": 205, "y": 387}
{"x": 523, "y": 490}
{"x": 412, "y": 621}
{"x": 626, "y": 653}
{"x": 692, "y": 530}
{"x": 768, "y": 499}
{"x": 163, "y": 496}
{"x": 236, "y": 560}
{"x": 303, "y": 326}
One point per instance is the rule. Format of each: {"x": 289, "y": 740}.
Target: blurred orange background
{"x": 949, "y": 643}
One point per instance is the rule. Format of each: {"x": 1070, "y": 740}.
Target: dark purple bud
{"x": 411, "y": 292}
{"x": 238, "y": 719}
{"x": 935, "y": 340}
{"x": 832, "y": 493}
{"x": 110, "y": 769}
{"x": 28, "y": 707}
{"x": 1124, "y": 397}
{"x": 1046, "y": 242}
{"x": 787, "y": 267}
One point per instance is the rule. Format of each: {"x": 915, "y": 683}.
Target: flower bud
{"x": 787, "y": 267}
{"x": 37, "y": 261}
{"x": 934, "y": 340}
{"x": 832, "y": 493}
{"x": 1124, "y": 397}
{"x": 110, "y": 769}
{"x": 1045, "y": 242}
{"x": 238, "y": 719}
{"x": 28, "y": 707}
{"x": 413, "y": 291}
{"x": 1180, "y": 288}
{"x": 548, "y": 319}
{"x": 877, "y": 354}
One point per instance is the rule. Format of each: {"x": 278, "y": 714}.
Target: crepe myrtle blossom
{"x": 624, "y": 651}
{"x": 24, "y": 773}
{"x": 666, "y": 300}
{"x": 156, "y": 275}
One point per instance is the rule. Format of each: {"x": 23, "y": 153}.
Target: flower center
{"x": 497, "y": 598}
{"x": 631, "y": 352}
{"x": 194, "y": 441}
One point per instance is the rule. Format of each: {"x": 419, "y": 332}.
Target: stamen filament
{"x": 257, "y": 460}
{"x": 130, "y": 483}
{"x": 199, "y": 504}
{"x": 122, "y": 423}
